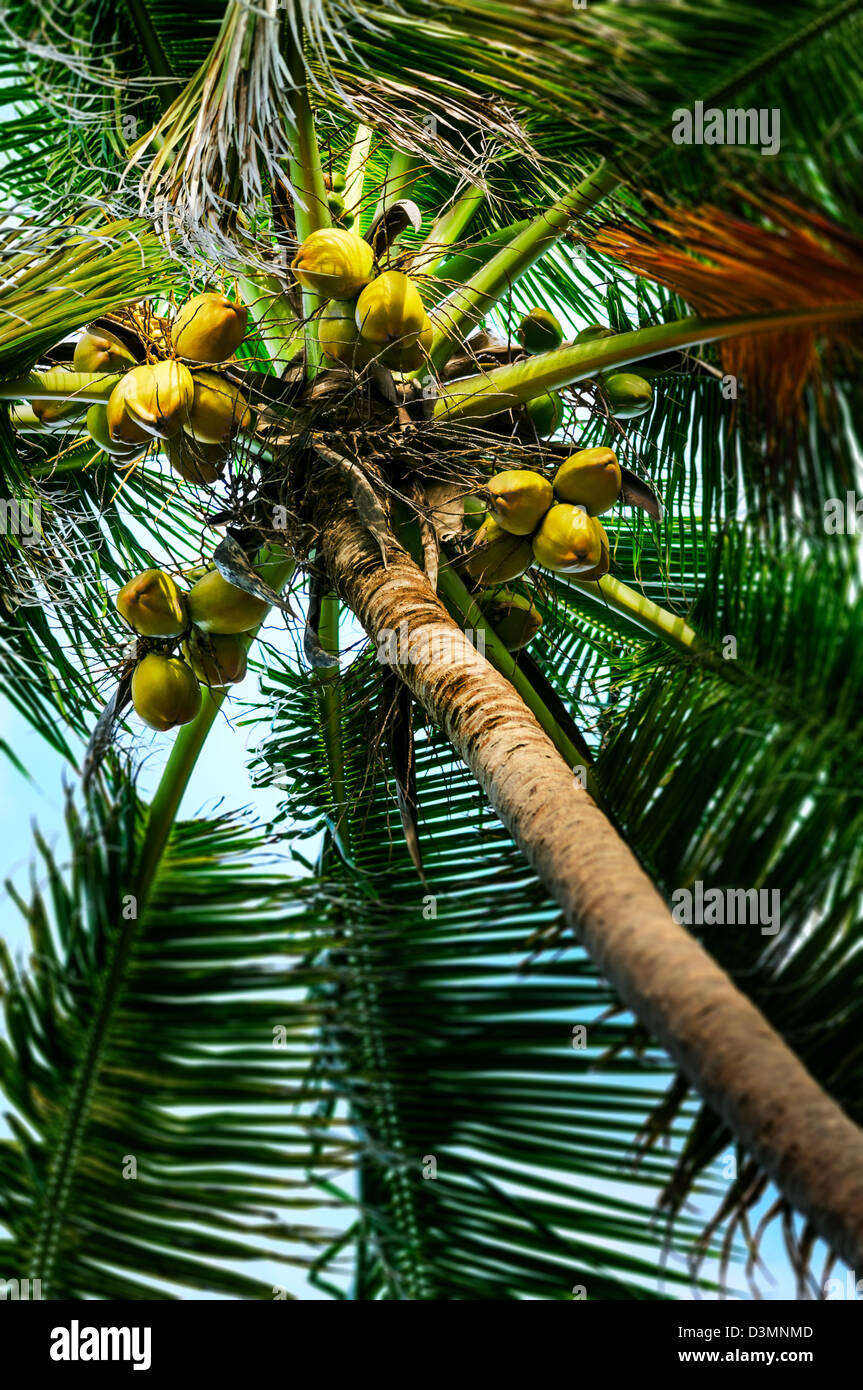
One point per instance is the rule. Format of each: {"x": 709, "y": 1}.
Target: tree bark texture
{"x": 721, "y": 1041}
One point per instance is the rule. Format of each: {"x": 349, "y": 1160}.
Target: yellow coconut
{"x": 158, "y": 397}
{"x": 389, "y": 311}
{"x": 520, "y": 499}
{"x": 334, "y": 263}
{"x": 97, "y": 350}
{"x": 194, "y": 462}
{"x": 514, "y": 617}
{"x": 152, "y": 604}
{"x": 209, "y": 328}
{"x": 216, "y": 659}
{"x": 410, "y": 359}
{"x": 218, "y": 410}
{"x": 164, "y": 691}
{"x": 497, "y": 555}
{"x": 123, "y": 428}
{"x": 604, "y": 559}
{"x": 58, "y": 412}
{"x": 568, "y": 541}
{"x": 591, "y": 478}
{"x": 339, "y": 337}
{"x": 217, "y": 606}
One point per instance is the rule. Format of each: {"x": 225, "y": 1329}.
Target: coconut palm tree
{"x": 434, "y": 1056}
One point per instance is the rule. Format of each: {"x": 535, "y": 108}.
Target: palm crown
{"x": 367, "y": 1063}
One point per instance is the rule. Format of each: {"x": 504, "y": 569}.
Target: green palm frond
{"x": 162, "y": 1122}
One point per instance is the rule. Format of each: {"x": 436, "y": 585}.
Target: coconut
{"x": 97, "y": 350}
{"x": 519, "y": 500}
{"x": 217, "y": 606}
{"x": 539, "y": 331}
{"x": 194, "y": 462}
{"x": 604, "y": 559}
{"x": 218, "y": 410}
{"x": 97, "y": 427}
{"x": 334, "y": 263}
{"x": 568, "y": 541}
{"x": 628, "y": 395}
{"x": 158, "y": 397}
{"x": 123, "y": 428}
{"x": 209, "y": 328}
{"x": 497, "y": 555}
{"x": 475, "y": 511}
{"x": 58, "y": 412}
{"x": 339, "y": 337}
{"x": 339, "y": 183}
{"x": 152, "y": 604}
{"x": 410, "y": 359}
{"x": 590, "y": 478}
{"x": 390, "y": 312}
{"x": 514, "y": 617}
{"x": 164, "y": 691}
{"x": 216, "y": 659}
{"x": 546, "y": 413}
{"x": 592, "y": 332}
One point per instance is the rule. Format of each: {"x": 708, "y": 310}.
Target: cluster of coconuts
{"x": 626, "y": 394}
{"x": 555, "y": 524}
{"x": 370, "y": 314}
{"x": 335, "y": 185}
{"x": 210, "y": 620}
{"x": 195, "y": 412}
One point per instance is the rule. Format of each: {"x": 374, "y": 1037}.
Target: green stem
{"x": 470, "y": 302}
{"x": 503, "y": 388}
{"x": 448, "y": 229}
{"x": 469, "y": 614}
{"x": 58, "y": 384}
{"x": 401, "y": 176}
{"x": 609, "y": 592}
{"x": 311, "y": 212}
{"x": 355, "y": 174}
{"x": 331, "y": 718}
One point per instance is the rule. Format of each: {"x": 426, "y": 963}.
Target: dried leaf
{"x": 399, "y": 734}
{"x": 389, "y": 224}
{"x": 233, "y": 564}
{"x": 316, "y": 655}
{"x": 102, "y": 735}
{"x": 366, "y": 500}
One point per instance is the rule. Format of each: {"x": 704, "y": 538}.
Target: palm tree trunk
{"x": 724, "y": 1045}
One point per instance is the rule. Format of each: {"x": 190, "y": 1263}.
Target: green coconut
{"x": 216, "y": 606}
{"x": 515, "y": 619}
{"x": 628, "y": 395}
{"x": 217, "y": 659}
{"x": 497, "y": 556}
{"x": 546, "y": 413}
{"x": 539, "y": 331}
